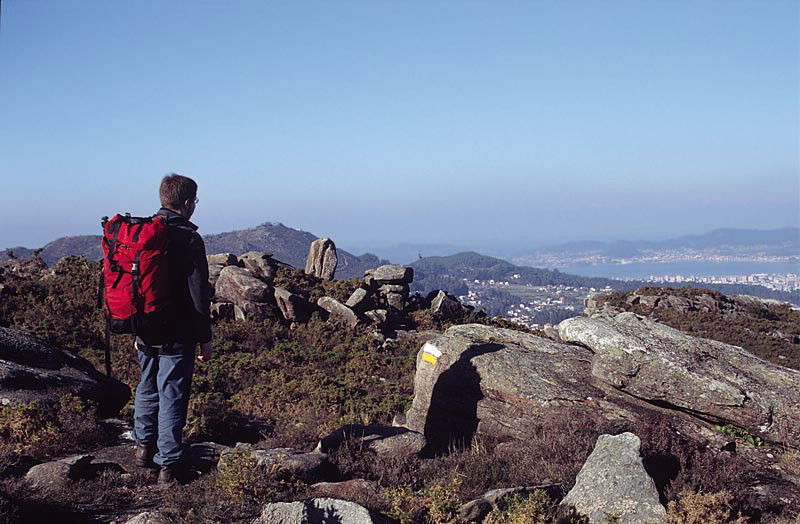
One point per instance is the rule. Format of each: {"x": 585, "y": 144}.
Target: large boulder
{"x": 322, "y": 259}
{"x": 338, "y": 312}
{"x": 713, "y": 380}
{"x": 238, "y": 284}
{"x": 53, "y": 475}
{"x": 359, "y": 300}
{"x": 222, "y": 259}
{"x": 319, "y": 511}
{"x": 613, "y": 485}
{"x": 31, "y": 369}
{"x": 477, "y": 378}
{"x": 393, "y": 274}
{"x": 251, "y": 295}
{"x": 447, "y": 307}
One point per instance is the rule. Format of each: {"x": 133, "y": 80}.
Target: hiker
{"x": 162, "y": 396}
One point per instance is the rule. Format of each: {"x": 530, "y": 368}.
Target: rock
{"x": 239, "y": 285}
{"x": 294, "y": 308}
{"x": 395, "y": 301}
{"x": 260, "y": 264}
{"x": 359, "y": 300}
{"x": 31, "y": 369}
{"x": 356, "y": 489}
{"x": 377, "y": 316}
{"x": 322, "y": 259}
{"x": 339, "y": 312}
{"x": 222, "y": 259}
{"x": 287, "y": 463}
{"x": 319, "y": 511}
{"x": 53, "y": 476}
{"x": 383, "y": 440}
{"x": 476, "y": 378}
{"x": 711, "y": 379}
{"x": 447, "y": 307}
{"x": 393, "y": 274}
{"x": 613, "y": 484}
{"x": 213, "y": 274}
{"x": 400, "y": 289}
{"x": 149, "y": 517}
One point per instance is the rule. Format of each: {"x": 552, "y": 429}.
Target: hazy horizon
{"x": 374, "y": 123}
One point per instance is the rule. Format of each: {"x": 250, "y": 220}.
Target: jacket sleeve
{"x": 200, "y": 290}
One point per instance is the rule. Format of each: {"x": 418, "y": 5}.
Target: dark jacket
{"x": 190, "y": 292}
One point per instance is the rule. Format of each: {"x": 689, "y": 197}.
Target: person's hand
{"x": 206, "y": 352}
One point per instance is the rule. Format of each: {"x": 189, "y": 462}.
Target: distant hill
{"x": 286, "y": 244}
{"x": 448, "y": 273}
{"x": 774, "y": 242}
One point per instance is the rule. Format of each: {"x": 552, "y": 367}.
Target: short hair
{"x": 176, "y": 189}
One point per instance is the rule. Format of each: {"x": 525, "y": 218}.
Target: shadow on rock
{"x": 453, "y": 415}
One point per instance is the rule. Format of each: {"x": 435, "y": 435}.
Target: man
{"x": 162, "y": 396}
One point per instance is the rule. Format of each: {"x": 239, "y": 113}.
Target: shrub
{"x": 703, "y": 508}
{"x": 536, "y": 508}
{"x": 239, "y": 474}
{"x": 42, "y": 430}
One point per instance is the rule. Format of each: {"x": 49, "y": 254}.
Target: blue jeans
{"x": 161, "y": 402}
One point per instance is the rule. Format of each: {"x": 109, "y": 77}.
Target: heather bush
{"x": 41, "y": 430}
{"x": 703, "y": 508}
{"x": 536, "y": 508}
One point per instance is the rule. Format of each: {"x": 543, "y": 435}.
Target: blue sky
{"x": 464, "y": 122}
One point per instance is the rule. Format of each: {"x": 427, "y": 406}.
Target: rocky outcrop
{"x": 391, "y": 285}
{"x": 476, "y": 378}
{"x": 382, "y": 440}
{"x": 614, "y": 486}
{"x": 319, "y": 511}
{"x": 322, "y": 259}
{"x": 31, "y": 369}
{"x": 704, "y": 377}
{"x": 498, "y": 382}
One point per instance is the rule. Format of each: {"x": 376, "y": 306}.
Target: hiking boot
{"x": 167, "y": 474}
{"x": 144, "y": 455}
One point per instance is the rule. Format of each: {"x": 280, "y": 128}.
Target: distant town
{"x": 778, "y": 282}
{"x": 538, "y": 306}
{"x": 542, "y": 306}
{"x": 566, "y": 259}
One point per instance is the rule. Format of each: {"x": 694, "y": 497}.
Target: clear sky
{"x": 379, "y": 122}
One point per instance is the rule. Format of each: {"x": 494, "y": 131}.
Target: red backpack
{"x": 135, "y": 278}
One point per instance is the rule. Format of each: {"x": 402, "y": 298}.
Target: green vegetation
{"x": 741, "y": 434}
{"x": 536, "y": 508}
